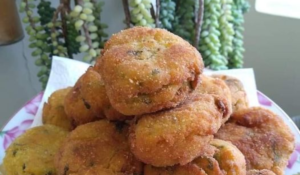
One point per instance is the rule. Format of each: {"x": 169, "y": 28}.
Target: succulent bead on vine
{"x": 167, "y": 13}
{"x": 38, "y": 37}
{"x": 226, "y": 27}
{"x": 183, "y": 24}
{"x": 72, "y": 34}
{"x": 100, "y": 37}
{"x": 140, "y": 13}
{"x": 83, "y": 15}
{"x": 45, "y": 11}
{"x": 210, "y": 43}
{"x": 236, "y": 55}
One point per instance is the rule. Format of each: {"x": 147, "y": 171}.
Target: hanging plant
{"x": 63, "y": 31}
{"x": 214, "y": 27}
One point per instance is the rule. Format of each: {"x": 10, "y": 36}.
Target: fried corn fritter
{"x": 33, "y": 152}
{"x": 262, "y": 136}
{"x": 87, "y": 101}
{"x": 54, "y": 111}
{"x": 96, "y": 171}
{"x": 231, "y": 160}
{"x": 177, "y": 135}
{"x": 188, "y": 169}
{"x": 217, "y": 87}
{"x": 146, "y": 70}
{"x": 227, "y": 160}
{"x": 260, "y": 172}
{"x": 76, "y": 108}
{"x": 238, "y": 93}
{"x": 93, "y": 91}
{"x": 97, "y": 145}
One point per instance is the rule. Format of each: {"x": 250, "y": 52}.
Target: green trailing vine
{"x": 210, "y": 39}
{"x": 183, "y": 24}
{"x": 214, "y": 27}
{"x": 167, "y": 14}
{"x": 236, "y": 55}
{"x": 140, "y": 13}
{"x": 63, "y": 31}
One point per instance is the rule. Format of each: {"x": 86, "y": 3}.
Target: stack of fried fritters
{"x": 146, "y": 108}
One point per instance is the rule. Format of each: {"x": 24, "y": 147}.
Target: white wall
{"x": 272, "y": 48}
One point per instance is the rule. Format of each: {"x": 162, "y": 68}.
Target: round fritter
{"x": 227, "y": 160}
{"x": 88, "y": 102}
{"x": 77, "y": 109}
{"x": 217, "y": 87}
{"x": 262, "y": 136}
{"x": 229, "y": 157}
{"x": 54, "y": 111}
{"x": 177, "y": 135}
{"x": 93, "y": 91}
{"x": 146, "y": 70}
{"x": 33, "y": 152}
{"x": 238, "y": 93}
{"x": 260, "y": 172}
{"x": 96, "y": 171}
{"x": 98, "y": 145}
{"x": 188, "y": 169}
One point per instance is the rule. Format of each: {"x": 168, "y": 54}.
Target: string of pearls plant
{"x": 214, "y": 27}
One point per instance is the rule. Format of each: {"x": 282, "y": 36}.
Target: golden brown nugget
{"x": 238, "y": 93}
{"x": 262, "y": 136}
{"x": 188, "y": 169}
{"x": 231, "y": 160}
{"x": 146, "y": 70}
{"x": 260, "y": 172}
{"x": 177, "y": 135}
{"x": 54, "y": 110}
{"x": 88, "y": 102}
{"x": 96, "y": 171}
{"x": 77, "y": 109}
{"x": 98, "y": 145}
{"x": 93, "y": 91}
{"x": 227, "y": 160}
{"x": 217, "y": 87}
{"x": 33, "y": 152}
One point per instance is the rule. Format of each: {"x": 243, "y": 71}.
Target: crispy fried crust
{"x": 238, "y": 93}
{"x": 98, "y": 145}
{"x": 227, "y": 160}
{"x": 230, "y": 158}
{"x": 261, "y": 136}
{"x": 146, "y": 70}
{"x": 96, "y": 171}
{"x": 88, "y": 102}
{"x": 188, "y": 169}
{"x": 32, "y": 152}
{"x": 54, "y": 111}
{"x": 177, "y": 135}
{"x": 217, "y": 87}
{"x": 260, "y": 172}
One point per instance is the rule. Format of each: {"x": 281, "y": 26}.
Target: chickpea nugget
{"x": 33, "y": 152}
{"x": 262, "y": 136}
{"x": 98, "y": 145}
{"x": 217, "y": 87}
{"x": 227, "y": 160}
{"x": 231, "y": 160}
{"x": 146, "y": 70}
{"x": 260, "y": 172}
{"x": 177, "y": 135}
{"x": 54, "y": 111}
{"x": 88, "y": 102}
{"x": 188, "y": 169}
{"x": 238, "y": 93}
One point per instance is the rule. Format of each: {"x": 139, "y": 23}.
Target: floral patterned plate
{"x": 24, "y": 117}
